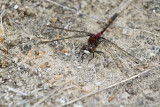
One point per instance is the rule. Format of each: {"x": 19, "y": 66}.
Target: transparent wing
{"x": 134, "y": 59}
{"x": 49, "y": 28}
{"x": 123, "y": 60}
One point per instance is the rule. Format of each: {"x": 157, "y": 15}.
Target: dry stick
{"x": 2, "y": 13}
{"x": 57, "y": 89}
{"x": 121, "y": 7}
{"x": 16, "y": 91}
{"x": 113, "y": 85}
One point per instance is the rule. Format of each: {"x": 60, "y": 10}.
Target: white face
{"x": 86, "y": 51}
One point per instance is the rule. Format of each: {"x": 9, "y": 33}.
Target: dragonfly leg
{"x": 79, "y": 52}
{"x": 99, "y": 52}
{"x": 91, "y": 58}
{"x": 82, "y": 57}
{"x": 102, "y": 37}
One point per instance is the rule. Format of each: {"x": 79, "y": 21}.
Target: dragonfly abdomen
{"x": 108, "y": 23}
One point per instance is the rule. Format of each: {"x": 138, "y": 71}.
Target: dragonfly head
{"x": 91, "y": 35}
{"x": 88, "y": 49}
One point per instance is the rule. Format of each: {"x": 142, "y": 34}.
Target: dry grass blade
{"x": 1, "y": 30}
{"x": 121, "y": 7}
{"x": 113, "y": 85}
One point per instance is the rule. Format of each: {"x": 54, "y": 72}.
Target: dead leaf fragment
{"x": 41, "y": 54}
{"x": 2, "y": 39}
{"x": 5, "y": 51}
{"x": 57, "y": 76}
{"x": 3, "y": 64}
{"x": 113, "y": 95}
{"x": 64, "y": 50}
{"x": 58, "y": 36}
{"x": 21, "y": 55}
{"x": 54, "y": 20}
{"x": 29, "y": 54}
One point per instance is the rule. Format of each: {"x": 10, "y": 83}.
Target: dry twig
{"x": 16, "y": 91}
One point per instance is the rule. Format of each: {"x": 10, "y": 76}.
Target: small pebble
{"x": 153, "y": 48}
{"x": 88, "y": 88}
{"x": 9, "y": 71}
{"x": 77, "y": 105}
{"x": 152, "y": 54}
{"x": 16, "y": 7}
{"x": 124, "y": 31}
{"x": 15, "y": 59}
{"x": 66, "y": 54}
{"x": 79, "y": 67}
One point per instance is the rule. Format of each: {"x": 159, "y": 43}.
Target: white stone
{"x": 16, "y": 7}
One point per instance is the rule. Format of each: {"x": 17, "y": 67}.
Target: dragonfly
{"x": 94, "y": 40}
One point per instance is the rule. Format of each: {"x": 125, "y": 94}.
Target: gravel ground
{"x": 36, "y": 72}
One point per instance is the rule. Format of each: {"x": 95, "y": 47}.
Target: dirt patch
{"x": 31, "y": 70}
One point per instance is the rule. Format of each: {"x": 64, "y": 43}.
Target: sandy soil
{"x": 51, "y": 74}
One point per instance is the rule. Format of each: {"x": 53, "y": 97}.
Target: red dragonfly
{"x": 94, "y": 40}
